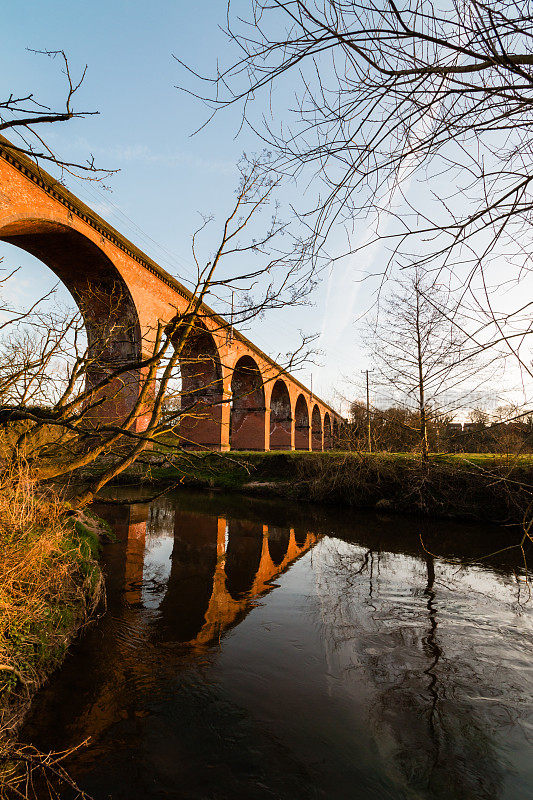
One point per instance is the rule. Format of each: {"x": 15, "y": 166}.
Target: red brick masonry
{"x": 242, "y": 398}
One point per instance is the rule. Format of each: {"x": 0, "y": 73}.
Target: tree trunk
{"x": 421, "y": 397}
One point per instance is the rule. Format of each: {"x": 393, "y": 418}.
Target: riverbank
{"x": 485, "y": 487}
{"x": 50, "y": 586}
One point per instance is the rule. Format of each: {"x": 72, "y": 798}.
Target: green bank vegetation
{"x": 491, "y": 487}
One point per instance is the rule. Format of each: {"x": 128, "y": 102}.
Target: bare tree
{"x": 417, "y": 118}
{"x": 396, "y": 428}
{"x": 26, "y": 117}
{"x": 421, "y": 357}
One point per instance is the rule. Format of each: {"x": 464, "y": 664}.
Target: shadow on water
{"x": 260, "y": 649}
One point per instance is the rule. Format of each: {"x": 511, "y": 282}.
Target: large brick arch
{"x": 301, "y": 424}
{"x": 316, "y": 429}
{"x": 101, "y": 294}
{"x": 280, "y": 417}
{"x": 248, "y": 411}
{"x": 201, "y": 389}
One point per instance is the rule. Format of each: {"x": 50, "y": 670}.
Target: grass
{"x": 236, "y": 468}
{"x": 491, "y": 487}
{"x": 50, "y": 584}
{"x": 49, "y": 581}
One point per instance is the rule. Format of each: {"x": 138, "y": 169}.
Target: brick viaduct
{"x": 247, "y": 401}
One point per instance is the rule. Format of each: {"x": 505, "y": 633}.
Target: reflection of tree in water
{"x": 433, "y": 739}
{"x": 430, "y": 644}
{"x": 158, "y": 551}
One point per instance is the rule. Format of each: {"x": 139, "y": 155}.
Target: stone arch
{"x": 278, "y": 543}
{"x": 247, "y": 421}
{"x": 327, "y": 431}
{"x": 280, "y": 417}
{"x": 103, "y": 297}
{"x": 301, "y": 424}
{"x": 243, "y": 556}
{"x": 201, "y": 389}
{"x": 316, "y": 429}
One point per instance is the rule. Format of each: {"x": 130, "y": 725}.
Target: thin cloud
{"x": 138, "y": 153}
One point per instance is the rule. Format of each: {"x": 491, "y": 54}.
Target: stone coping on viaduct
{"x": 74, "y": 205}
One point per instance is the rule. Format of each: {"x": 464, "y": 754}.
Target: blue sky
{"x": 168, "y": 177}
{"x": 144, "y": 129}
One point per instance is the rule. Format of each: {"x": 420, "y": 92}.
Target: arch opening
{"x": 104, "y": 300}
{"x": 316, "y": 429}
{"x": 247, "y": 421}
{"x": 201, "y": 393}
{"x": 301, "y": 424}
{"x": 335, "y": 434}
{"x": 280, "y": 417}
{"x": 327, "y": 431}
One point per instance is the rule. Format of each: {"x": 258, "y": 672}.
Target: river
{"x": 257, "y": 649}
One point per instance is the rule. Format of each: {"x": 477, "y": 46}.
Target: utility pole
{"x": 368, "y": 423}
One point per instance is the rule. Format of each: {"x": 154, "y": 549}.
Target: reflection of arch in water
{"x": 280, "y": 417}
{"x": 278, "y": 543}
{"x": 247, "y": 424}
{"x": 190, "y": 584}
{"x": 214, "y": 577}
{"x": 102, "y": 295}
{"x": 224, "y": 610}
{"x": 268, "y": 570}
{"x": 300, "y": 536}
{"x": 243, "y": 556}
{"x": 301, "y": 424}
{"x": 201, "y": 388}
{"x": 316, "y": 429}
{"x": 125, "y": 562}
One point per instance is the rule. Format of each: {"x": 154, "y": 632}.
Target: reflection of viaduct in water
{"x": 218, "y": 566}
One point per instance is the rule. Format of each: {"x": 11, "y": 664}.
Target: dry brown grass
{"x": 50, "y": 584}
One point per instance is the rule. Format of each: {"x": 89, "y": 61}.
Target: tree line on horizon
{"x": 396, "y": 429}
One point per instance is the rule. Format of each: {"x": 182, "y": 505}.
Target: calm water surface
{"x": 255, "y": 649}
